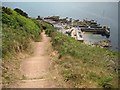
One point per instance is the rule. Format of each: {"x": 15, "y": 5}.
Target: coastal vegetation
{"x": 80, "y": 65}
{"x": 17, "y": 34}
{"x": 21, "y": 12}
{"x": 84, "y": 65}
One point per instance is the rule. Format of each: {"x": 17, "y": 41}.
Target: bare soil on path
{"x": 35, "y": 69}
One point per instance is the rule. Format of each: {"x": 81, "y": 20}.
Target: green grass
{"x": 17, "y": 32}
{"x": 81, "y": 65}
{"x": 84, "y": 65}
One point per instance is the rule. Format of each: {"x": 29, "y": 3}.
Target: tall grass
{"x": 17, "y": 31}
{"x": 84, "y": 65}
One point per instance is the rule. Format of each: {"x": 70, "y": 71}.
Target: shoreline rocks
{"x": 103, "y": 43}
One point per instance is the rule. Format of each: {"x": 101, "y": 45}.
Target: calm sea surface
{"x": 105, "y": 13}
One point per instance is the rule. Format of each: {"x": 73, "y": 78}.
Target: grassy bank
{"x": 84, "y": 65}
{"x": 17, "y": 33}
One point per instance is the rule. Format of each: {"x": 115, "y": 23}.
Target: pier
{"x": 77, "y": 28}
{"x": 105, "y": 31}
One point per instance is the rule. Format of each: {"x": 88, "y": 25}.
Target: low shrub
{"x": 86, "y": 65}
{"x": 17, "y": 31}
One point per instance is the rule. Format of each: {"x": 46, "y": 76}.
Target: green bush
{"x": 21, "y": 12}
{"x": 104, "y": 80}
{"x": 49, "y": 29}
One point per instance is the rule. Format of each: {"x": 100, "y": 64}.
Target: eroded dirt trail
{"x": 35, "y": 69}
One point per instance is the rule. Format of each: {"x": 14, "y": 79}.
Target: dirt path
{"x": 35, "y": 70}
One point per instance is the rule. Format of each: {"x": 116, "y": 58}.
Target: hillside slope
{"x": 17, "y": 34}
{"x": 80, "y": 65}
{"x": 84, "y": 65}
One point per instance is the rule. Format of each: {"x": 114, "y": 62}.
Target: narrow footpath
{"x": 35, "y": 70}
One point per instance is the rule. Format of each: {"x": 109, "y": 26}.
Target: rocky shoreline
{"x": 103, "y": 43}
{"x": 74, "y": 28}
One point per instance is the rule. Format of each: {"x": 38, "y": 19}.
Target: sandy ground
{"x": 35, "y": 69}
